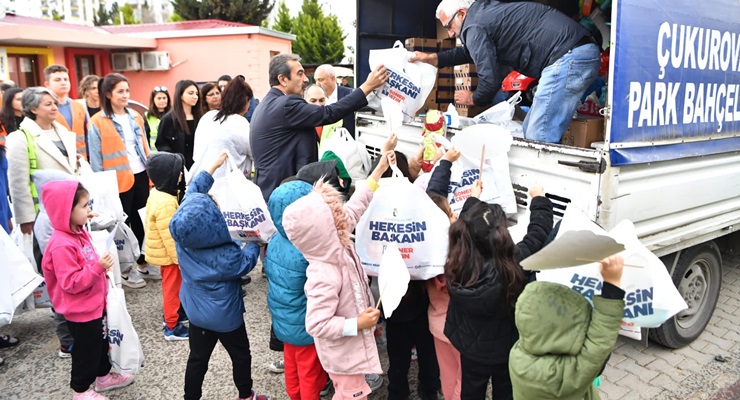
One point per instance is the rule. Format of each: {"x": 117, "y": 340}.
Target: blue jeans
{"x": 560, "y": 88}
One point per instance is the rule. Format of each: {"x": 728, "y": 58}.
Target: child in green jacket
{"x": 564, "y": 342}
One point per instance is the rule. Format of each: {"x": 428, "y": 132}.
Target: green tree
{"x": 175, "y": 17}
{"x": 283, "y": 22}
{"x": 319, "y": 38}
{"x": 103, "y": 16}
{"x": 128, "y": 16}
{"x": 251, "y": 12}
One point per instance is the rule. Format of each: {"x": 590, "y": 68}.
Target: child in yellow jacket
{"x": 165, "y": 171}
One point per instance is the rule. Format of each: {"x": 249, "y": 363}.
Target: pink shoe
{"x": 89, "y": 394}
{"x": 111, "y": 381}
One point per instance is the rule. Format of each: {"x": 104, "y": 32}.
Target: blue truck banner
{"x": 676, "y": 90}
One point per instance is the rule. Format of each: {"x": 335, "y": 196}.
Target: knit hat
{"x": 164, "y": 170}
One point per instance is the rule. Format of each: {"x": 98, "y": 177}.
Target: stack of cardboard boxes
{"x": 462, "y": 77}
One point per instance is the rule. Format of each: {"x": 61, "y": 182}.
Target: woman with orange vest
{"x": 116, "y": 142}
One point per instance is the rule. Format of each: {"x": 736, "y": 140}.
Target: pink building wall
{"x": 207, "y": 58}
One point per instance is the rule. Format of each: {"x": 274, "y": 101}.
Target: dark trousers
{"x": 402, "y": 337}
{"x": 475, "y": 377}
{"x": 202, "y": 341}
{"x": 133, "y": 200}
{"x": 89, "y": 354}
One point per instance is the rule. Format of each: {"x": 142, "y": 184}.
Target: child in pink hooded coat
{"x": 76, "y": 279}
{"x": 340, "y": 313}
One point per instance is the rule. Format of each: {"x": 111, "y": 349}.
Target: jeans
{"x": 560, "y": 88}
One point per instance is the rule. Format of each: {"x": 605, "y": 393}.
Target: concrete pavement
{"x": 33, "y": 369}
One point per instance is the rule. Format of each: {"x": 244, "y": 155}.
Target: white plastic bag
{"x": 127, "y": 246}
{"x": 104, "y": 200}
{"x": 498, "y": 141}
{"x": 243, "y": 206}
{"x": 126, "y": 355}
{"x": 409, "y": 84}
{"x": 651, "y": 298}
{"x": 18, "y": 278}
{"x": 403, "y": 213}
{"x": 353, "y": 153}
{"x": 501, "y": 112}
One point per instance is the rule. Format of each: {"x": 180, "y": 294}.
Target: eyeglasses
{"x": 160, "y": 88}
{"x": 447, "y": 25}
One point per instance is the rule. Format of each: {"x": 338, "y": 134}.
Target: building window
{"x": 24, "y": 70}
{"x": 273, "y": 54}
{"x": 85, "y": 65}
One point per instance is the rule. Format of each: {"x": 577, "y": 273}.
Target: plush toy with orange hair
{"x": 434, "y": 124}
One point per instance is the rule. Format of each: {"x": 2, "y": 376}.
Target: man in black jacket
{"x": 283, "y": 134}
{"x": 326, "y": 77}
{"x": 534, "y": 39}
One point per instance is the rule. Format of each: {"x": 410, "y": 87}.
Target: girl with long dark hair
{"x": 11, "y": 114}
{"x": 225, "y": 129}
{"x": 484, "y": 280}
{"x": 117, "y": 142}
{"x": 159, "y": 105}
{"x": 176, "y": 133}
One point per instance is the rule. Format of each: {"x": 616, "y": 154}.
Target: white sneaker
{"x": 133, "y": 279}
{"x": 278, "y": 367}
{"x": 150, "y": 272}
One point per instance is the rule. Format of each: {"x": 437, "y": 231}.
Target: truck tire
{"x": 698, "y": 277}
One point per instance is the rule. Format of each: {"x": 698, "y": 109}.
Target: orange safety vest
{"x": 3, "y": 135}
{"x": 78, "y": 126}
{"x": 113, "y": 149}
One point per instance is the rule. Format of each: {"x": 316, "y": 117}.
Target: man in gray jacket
{"x": 534, "y": 39}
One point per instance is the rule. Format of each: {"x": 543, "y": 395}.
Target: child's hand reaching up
{"x": 106, "y": 261}
{"x": 451, "y": 155}
{"x": 383, "y": 164}
{"x": 390, "y": 143}
{"x": 535, "y": 191}
{"x": 368, "y": 318}
{"x": 477, "y": 188}
{"x": 219, "y": 162}
{"x": 611, "y": 270}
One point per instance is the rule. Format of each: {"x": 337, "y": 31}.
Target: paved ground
{"x": 33, "y": 370}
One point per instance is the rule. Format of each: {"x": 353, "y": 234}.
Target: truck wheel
{"x": 698, "y": 277}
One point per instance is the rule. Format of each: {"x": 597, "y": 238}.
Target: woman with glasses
{"x": 176, "y": 132}
{"x": 40, "y": 143}
{"x": 89, "y": 96}
{"x": 211, "y": 93}
{"x": 225, "y": 129}
{"x": 159, "y": 105}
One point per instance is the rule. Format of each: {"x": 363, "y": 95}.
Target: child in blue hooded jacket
{"x": 211, "y": 264}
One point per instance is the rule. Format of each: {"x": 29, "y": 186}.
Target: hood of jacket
{"x": 328, "y": 170}
{"x": 481, "y": 298}
{"x": 58, "y": 197}
{"x": 164, "y": 170}
{"x": 285, "y": 195}
{"x": 44, "y": 176}
{"x": 198, "y": 223}
{"x": 317, "y": 224}
{"x": 552, "y": 319}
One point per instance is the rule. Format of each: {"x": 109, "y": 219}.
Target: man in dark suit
{"x": 326, "y": 77}
{"x": 282, "y": 132}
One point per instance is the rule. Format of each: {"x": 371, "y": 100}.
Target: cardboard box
{"x": 466, "y": 81}
{"x": 445, "y": 82}
{"x": 448, "y": 72}
{"x": 446, "y": 44}
{"x": 445, "y": 95}
{"x": 421, "y": 44}
{"x": 584, "y": 130}
{"x": 465, "y": 69}
{"x": 469, "y": 111}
